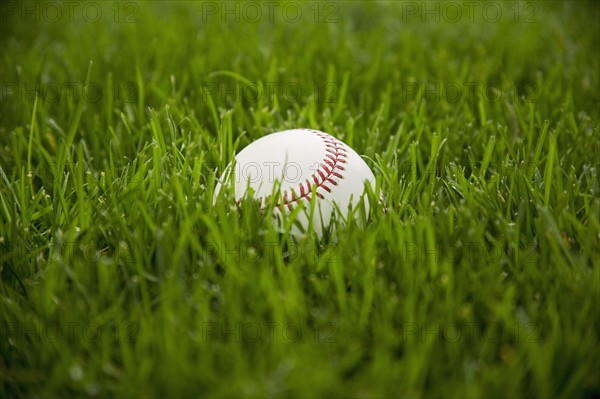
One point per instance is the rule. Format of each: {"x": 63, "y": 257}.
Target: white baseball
{"x": 302, "y": 161}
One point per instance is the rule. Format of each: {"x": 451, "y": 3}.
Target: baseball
{"x": 296, "y": 165}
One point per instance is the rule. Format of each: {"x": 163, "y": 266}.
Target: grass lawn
{"x": 120, "y": 278}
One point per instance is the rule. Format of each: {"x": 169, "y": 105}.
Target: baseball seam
{"x": 331, "y": 167}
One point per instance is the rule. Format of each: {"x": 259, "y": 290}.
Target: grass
{"x": 119, "y": 277}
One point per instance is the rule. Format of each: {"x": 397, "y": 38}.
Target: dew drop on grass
{"x": 92, "y": 389}
{"x": 251, "y": 252}
{"x": 76, "y": 372}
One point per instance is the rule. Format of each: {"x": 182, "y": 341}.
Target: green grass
{"x": 119, "y": 277}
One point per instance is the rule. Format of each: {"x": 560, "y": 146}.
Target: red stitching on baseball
{"x": 335, "y": 154}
